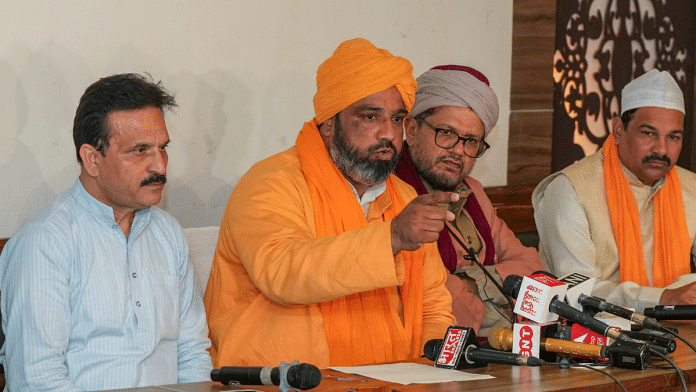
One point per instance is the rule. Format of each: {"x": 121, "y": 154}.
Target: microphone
{"x": 620, "y": 354}
{"x": 460, "y": 350}
{"x": 661, "y": 341}
{"x": 598, "y": 304}
{"x": 501, "y": 338}
{"x": 672, "y": 312}
{"x": 658, "y": 341}
{"x": 296, "y": 375}
{"x": 538, "y": 301}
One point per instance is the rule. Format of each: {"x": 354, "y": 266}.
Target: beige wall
{"x": 243, "y": 72}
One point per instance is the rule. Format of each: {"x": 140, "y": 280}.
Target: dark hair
{"x": 627, "y": 116}
{"x": 111, "y": 94}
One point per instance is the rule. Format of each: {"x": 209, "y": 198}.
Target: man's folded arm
{"x": 36, "y": 314}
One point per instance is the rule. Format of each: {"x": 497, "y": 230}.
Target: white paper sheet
{"x": 410, "y": 373}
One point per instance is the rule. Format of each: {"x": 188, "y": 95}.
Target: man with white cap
{"x": 627, "y": 215}
{"x": 456, "y": 104}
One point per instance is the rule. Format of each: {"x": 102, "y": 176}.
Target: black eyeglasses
{"x": 447, "y": 139}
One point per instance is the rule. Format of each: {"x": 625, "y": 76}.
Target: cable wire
{"x": 679, "y": 372}
{"x": 475, "y": 259}
{"x": 572, "y": 362}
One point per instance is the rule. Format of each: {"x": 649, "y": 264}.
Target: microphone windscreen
{"x": 304, "y": 376}
{"x": 500, "y": 338}
{"x": 431, "y": 348}
{"x": 511, "y": 285}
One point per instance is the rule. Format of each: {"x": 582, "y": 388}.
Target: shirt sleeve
{"x": 36, "y": 312}
{"x": 194, "y": 362}
{"x": 565, "y": 241}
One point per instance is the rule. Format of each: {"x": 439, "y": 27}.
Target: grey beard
{"x": 359, "y": 167}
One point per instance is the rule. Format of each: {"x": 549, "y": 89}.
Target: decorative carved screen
{"x": 602, "y": 45}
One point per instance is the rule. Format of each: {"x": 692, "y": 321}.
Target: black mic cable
{"x": 475, "y": 259}
{"x": 679, "y": 371}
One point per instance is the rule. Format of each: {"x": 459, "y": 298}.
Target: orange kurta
{"x": 270, "y": 272}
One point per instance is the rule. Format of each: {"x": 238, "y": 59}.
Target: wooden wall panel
{"x": 531, "y": 91}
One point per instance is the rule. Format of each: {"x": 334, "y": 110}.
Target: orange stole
{"x": 361, "y": 328}
{"x": 672, "y": 254}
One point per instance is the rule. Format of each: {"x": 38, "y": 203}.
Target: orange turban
{"x": 356, "y": 70}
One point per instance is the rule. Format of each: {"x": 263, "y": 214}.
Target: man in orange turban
{"x": 627, "y": 215}
{"x": 321, "y": 253}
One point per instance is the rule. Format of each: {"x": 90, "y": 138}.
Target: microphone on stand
{"x": 296, "y": 375}
{"x": 460, "y": 350}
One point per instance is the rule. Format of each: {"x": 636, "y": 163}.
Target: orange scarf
{"x": 362, "y": 328}
{"x": 671, "y": 257}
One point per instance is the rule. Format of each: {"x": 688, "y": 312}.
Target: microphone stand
{"x": 475, "y": 259}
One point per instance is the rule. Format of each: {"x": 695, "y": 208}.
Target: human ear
{"x": 410, "y": 128}
{"x": 90, "y": 160}
{"x": 617, "y": 129}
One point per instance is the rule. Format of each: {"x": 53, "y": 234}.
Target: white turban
{"x": 653, "y": 88}
{"x": 455, "y": 85}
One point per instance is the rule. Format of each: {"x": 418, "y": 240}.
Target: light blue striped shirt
{"x": 84, "y": 308}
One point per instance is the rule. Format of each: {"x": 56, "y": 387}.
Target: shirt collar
{"x": 105, "y": 214}
{"x": 371, "y": 193}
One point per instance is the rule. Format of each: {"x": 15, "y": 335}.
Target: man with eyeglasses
{"x": 321, "y": 254}
{"x": 455, "y": 109}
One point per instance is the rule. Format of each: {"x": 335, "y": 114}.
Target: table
{"x": 513, "y": 378}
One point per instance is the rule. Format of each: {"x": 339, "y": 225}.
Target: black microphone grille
{"x": 511, "y": 285}
{"x": 431, "y": 348}
{"x": 304, "y": 376}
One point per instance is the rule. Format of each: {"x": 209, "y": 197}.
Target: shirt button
{"x": 135, "y": 275}
{"x": 137, "y": 303}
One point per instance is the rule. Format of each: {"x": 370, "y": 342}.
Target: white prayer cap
{"x": 653, "y": 88}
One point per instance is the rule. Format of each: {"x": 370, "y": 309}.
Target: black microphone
{"x": 512, "y": 285}
{"x": 672, "y": 312}
{"x": 601, "y": 305}
{"x": 657, "y": 340}
{"x": 669, "y": 344}
{"x": 460, "y": 350}
{"x": 298, "y": 375}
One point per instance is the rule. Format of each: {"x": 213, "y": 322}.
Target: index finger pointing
{"x": 439, "y": 197}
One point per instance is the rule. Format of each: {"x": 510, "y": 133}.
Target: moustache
{"x": 453, "y": 157}
{"x": 381, "y": 145}
{"x": 154, "y": 178}
{"x": 657, "y": 157}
